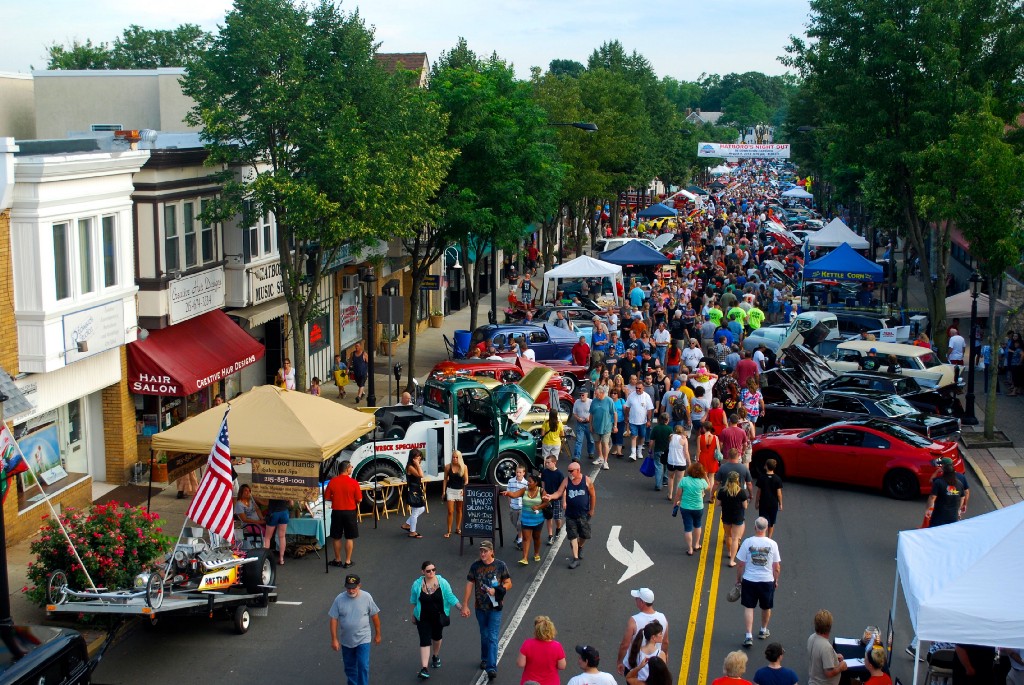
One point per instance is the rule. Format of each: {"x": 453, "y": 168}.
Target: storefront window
{"x": 351, "y": 320}
{"x": 61, "y": 261}
{"x": 189, "y": 231}
{"x": 171, "y": 238}
{"x": 109, "y": 252}
{"x": 85, "y": 255}
{"x": 208, "y": 253}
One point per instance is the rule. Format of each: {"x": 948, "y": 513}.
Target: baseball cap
{"x": 676, "y": 384}
{"x": 944, "y": 461}
{"x": 487, "y": 544}
{"x": 644, "y": 594}
{"x": 589, "y": 654}
{"x": 873, "y": 350}
{"x": 351, "y": 581}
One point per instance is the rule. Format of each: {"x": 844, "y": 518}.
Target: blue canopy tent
{"x": 843, "y": 264}
{"x": 634, "y": 253}
{"x": 656, "y": 211}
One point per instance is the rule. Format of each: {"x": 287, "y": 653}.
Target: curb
{"x": 980, "y": 475}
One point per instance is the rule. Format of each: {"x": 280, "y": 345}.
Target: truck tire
{"x": 504, "y": 467}
{"x": 261, "y": 572}
{"x": 369, "y": 473}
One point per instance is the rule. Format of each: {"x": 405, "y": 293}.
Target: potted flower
{"x": 160, "y": 469}
{"x": 388, "y": 342}
{"x": 436, "y": 318}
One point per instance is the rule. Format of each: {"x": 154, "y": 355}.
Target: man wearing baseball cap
{"x": 950, "y": 493}
{"x": 644, "y": 598}
{"x": 488, "y": 581}
{"x": 589, "y": 659}
{"x": 351, "y": 614}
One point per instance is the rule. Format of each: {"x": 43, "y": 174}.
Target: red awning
{"x": 189, "y": 356}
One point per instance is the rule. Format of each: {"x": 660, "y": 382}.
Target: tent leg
{"x": 917, "y": 663}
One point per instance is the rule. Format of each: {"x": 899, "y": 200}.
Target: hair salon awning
{"x": 190, "y": 356}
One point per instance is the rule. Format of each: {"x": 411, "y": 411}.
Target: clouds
{"x": 682, "y": 39}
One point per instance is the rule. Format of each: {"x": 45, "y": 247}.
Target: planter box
{"x": 159, "y": 473}
{"x": 436, "y": 321}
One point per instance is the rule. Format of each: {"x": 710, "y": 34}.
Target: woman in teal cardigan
{"x": 432, "y": 600}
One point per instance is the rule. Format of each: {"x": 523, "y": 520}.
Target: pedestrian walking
{"x": 452, "y": 491}
{"x": 768, "y": 500}
{"x": 351, "y": 616}
{"x": 415, "y": 497}
{"x": 658, "y": 447}
{"x": 639, "y": 411}
{"x": 340, "y": 375}
{"x": 826, "y": 666}
{"x": 553, "y": 434}
{"x": 359, "y": 369}
{"x": 690, "y": 504}
{"x": 541, "y": 657}
{"x": 775, "y": 673}
{"x": 515, "y": 502}
{"x": 580, "y": 500}
{"x": 733, "y": 668}
{"x": 344, "y": 495}
{"x": 487, "y": 582}
{"x": 602, "y": 425}
{"x": 432, "y": 601}
{"x": 531, "y": 518}
{"x": 678, "y": 458}
{"x": 644, "y": 599}
{"x": 733, "y": 499}
{"x": 645, "y": 647}
{"x": 554, "y": 514}
{"x": 950, "y": 494}
{"x": 589, "y": 660}
{"x": 581, "y": 414}
{"x": 758, "y": 565}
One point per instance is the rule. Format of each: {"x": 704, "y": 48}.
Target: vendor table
{"x": 851, "y": 648}
{"x": 308, "y": 526}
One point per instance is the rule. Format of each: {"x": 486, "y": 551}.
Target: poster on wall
{"x": 42, "y": 452}
{"x": 318, "y": 333}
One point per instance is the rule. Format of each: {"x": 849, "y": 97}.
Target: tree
{"x": 320, "y": 136}
{"x": 506, "y": 175}
{"x": 972, "y": 177}
{"x": 745, "y": 108}
{"x": 135, "y": 48}
{"x": 887, "y": 78}
{"x": 565, "y": 67}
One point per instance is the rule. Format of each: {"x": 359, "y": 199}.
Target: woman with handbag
{"x": 432, "y": 600}
{"x": 452, "y": 490}
{"x": 414, "y": 496}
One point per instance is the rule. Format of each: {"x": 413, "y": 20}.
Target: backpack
{"x": 679, "y": 408}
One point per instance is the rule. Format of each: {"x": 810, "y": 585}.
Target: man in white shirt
{"x": 758, "y": 564}
{"x": 957, "y": 344}
{"x": 662, "y": 339}
{"x": 692, "y": 355}
{"x": 581, "y": 413}
{"x": 759, "y": 358}
{"x": 639, "y": 410}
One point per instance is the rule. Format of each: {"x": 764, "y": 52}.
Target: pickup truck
{"x": 454, "y": 413}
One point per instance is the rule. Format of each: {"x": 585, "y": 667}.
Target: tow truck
{"x": 452, "y": 413}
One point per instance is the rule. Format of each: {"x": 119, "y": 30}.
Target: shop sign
{"x": 183, "y": 463}
{"x": 286, "y": 479}
{"x": 101, "y": 327}
{"x": 431, "y": 282}
{"x": 266, "y": 283}
{"x": 318, "y": 333}
{"x": 194, "y": 295}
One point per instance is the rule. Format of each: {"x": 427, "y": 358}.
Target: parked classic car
{"x": 546, "y": 341}
{"x": 873, "y": 453}
{"x": 511, "y": 371}
{"x": 929, "y": 400}
{"x": 919, "y": 362}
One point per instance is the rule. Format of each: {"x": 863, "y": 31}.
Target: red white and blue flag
{"x": 12, "y": 461}
{"x": 212, "y": 507}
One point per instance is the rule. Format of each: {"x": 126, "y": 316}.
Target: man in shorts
{"x": 552, "y": 480}
{"x": 515, "y": 504}
{"x": 344, "y": 494}
{"x": 580, "y": 500}
{"x": 758, "y": 565}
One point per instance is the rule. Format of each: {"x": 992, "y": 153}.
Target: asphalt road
{"x": 838, "y": 549}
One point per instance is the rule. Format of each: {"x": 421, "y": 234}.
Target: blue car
{"x": 547, "y": 342}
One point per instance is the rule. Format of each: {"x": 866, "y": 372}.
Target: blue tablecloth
{"x": 308, "y": 526}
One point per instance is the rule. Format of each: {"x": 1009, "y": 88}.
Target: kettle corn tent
{"x": 287, "y": 434}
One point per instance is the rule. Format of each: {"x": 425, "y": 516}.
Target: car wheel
{"x": 260, "y": 572}
{"x": 901, "y": 484}
{"x": 504, "y": 467}
{"x": 57, "y": 591}
{"x": 570, "y": 384}
{"x": 565, "y": 406}
{"x": 373, "y": 472}
{"x": 395, "y": 433}
{"x": 241, "y": 620}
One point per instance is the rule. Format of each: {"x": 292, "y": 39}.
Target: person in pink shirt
{"x": 541, "y": 657}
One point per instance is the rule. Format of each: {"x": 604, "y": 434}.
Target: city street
{"x": 837, "y": 544}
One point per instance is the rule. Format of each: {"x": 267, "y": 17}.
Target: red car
{"x": 872, "y": 453}
{"x": 506, "y": 372}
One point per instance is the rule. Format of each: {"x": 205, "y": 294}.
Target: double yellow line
{"x": 698, "y": 585}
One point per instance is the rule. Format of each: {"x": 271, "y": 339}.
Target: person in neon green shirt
{"x": 736, "y": 314}
{"x": 715, "y": 314}
{"x": 755, "y": 317}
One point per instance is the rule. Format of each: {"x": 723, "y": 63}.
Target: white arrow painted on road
{"x": 635, "y": 561}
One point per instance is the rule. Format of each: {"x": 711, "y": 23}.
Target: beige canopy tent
{"x": 271, "y": 423}
{"x": 959, "y": 306}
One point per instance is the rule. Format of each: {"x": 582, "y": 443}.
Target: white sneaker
{"x": 597, "y": 462}
{"x": 606, "y": 467}
{"x": 632, "y": 457}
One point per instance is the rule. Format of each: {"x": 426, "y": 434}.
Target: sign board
{"x": 431, "y": 282}
{"x": 194, "y": 295}
{"x": 265, "y": 283}
{"x": 183, "y": 463}
{"x": 887, "y": 335}
{"x": 318, "y": 333}
{"x": 744, "y": 150}
{"x": 286, "y": 479}
{"x": 479, "y": 510}
{"x": 390, "y": 310}
{"x": 101, "y": 327}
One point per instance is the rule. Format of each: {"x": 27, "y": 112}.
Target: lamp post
{"x": 368, "y": 277}
{"x": 969, "y": 418}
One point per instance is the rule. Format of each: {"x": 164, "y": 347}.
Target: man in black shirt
{"x": 629, "y": 366}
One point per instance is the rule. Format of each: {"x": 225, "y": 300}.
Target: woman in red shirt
{"x": 541, "y": 657}
{"x": 717, "y": 416}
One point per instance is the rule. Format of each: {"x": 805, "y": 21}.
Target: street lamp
{"x": 582, "y": 125}
{"x": 969, "y": 418}
{"x": 368, "y": 277}
{"x": 455, "y": 252}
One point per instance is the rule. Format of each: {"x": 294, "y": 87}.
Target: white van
{"x": 805, "y": 321}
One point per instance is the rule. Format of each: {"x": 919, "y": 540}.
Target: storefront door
{"x": 72, "y": 421}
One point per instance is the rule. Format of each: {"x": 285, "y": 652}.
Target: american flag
{"x": 211, "y": 507}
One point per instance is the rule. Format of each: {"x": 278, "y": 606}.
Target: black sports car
{"x": 941, "y": 401}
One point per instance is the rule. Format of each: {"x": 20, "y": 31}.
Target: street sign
{"x": 431, "y": 282}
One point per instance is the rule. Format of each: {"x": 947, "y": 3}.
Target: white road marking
{"x": 531, "y": 592}
{"x": 635, "y": 561}
{"x": 291, "y": 604}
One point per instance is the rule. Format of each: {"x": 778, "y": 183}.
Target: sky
{"x": 681, "y": 39}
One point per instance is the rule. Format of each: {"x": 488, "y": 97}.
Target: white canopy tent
{"x": 958, "y": 580}
{"x": 835, "y": 234}
{"x": 721, "y": 170}
{"x": 583, "y": 267}
{"x": 959, "y": 306}
{"x": 798, "y": 193}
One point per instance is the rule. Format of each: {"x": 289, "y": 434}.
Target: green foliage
{"x": 565, "y": 67}
{"x": 744, "y": 108}
{"x": 135, "y": 48}
{"x": 115, "y": 542}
